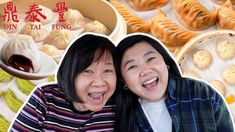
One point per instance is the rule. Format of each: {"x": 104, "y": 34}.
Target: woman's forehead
{"x": 104, "y": 56}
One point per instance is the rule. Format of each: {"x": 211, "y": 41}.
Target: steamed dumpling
{"x": 97, "y": 27}
{"x": 219, "y": 85}
{"x": 47, "y": 12}
{"x": 226, "y": 17}
{"x": 50, "y": 50}
{"x": 133, "y": 22}
{"x": 11, "y": 29}
{"x": 202, "y": 59}
{"x": 37, "y": 34}
{"x": 146, "y": 4}
{"x": 74, "y": 18}
{"x": 191, "y": 73}
{"x": 3, "y": 34}
{"x": 59, "y": 38}
{"x": 171, "y": 34}
{"x": 229, "y": 75}
{"x": 226, "y": 50}
{"x": 20, "y": 52}
{"x": 194, "y": 15}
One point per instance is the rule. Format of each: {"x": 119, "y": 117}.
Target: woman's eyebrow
{"x": 127, "y": 62}
{"x": 109, "y": 63}
{"x": 149, "y": 52}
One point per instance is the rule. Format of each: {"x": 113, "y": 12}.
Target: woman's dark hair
{"x": 79, "y": 56}
{"x": 126, "y": 101}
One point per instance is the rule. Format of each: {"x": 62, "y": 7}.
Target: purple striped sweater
{"x": 48, "y": 109}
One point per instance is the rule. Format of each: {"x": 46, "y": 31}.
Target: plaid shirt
{"x": 193, "y": 106}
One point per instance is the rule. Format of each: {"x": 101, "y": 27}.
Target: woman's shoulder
{"x": 49, "y": 90}
{"x": 196, "y": 88}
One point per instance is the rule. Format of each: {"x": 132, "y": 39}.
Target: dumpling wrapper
{"x": 59, "y": 38}
{"x": 133, "y": 22}
{"x": 226, "y": 16}
{"x": 193, "y": 15}
{"x": 74, "y": 18}
{"x": 171, "y": 34}
{"x": 223, "y": 1}
{"x": 143, "y": 5}
{"x": 97, "y": 27}
{"x": 3, "y": 34}
{"x": 37, "y": 34}
{"x": 20, "y": 52}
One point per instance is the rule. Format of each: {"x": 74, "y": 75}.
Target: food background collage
{"x": 199, "y": 34}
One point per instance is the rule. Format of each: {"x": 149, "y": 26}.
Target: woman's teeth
{"x": 150, "y": 84}
{"x": 97, "y": 97}
{"x": 150, "y": 81}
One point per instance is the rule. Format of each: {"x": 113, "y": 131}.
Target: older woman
{"x": 155, "y": 97}
{"x": 81, "y": 98}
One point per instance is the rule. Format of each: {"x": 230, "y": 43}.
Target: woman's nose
{"x": 145, "y": 70}
{"x": 98, "y": 81}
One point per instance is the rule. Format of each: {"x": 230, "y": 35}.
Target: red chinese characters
{"x": 34, "y": 13}
{"x": 61, "y": 7}
{"x": 10, "y": 13}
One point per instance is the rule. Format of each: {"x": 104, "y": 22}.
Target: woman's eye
{"x": 151, "y": 59}
{"x": 108, "y": 70}
{"x": 131, "y": 67}
{"x": 87, "y": 71}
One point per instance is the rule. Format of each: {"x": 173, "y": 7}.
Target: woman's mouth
{"x": 96, "y": 97}
{"x": 150, "y": 84}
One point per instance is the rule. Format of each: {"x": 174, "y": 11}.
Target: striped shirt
{"x": 48, "y": 109}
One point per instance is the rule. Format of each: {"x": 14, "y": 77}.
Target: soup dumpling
{"x": 59, "y": 38}
{"x": 37, "y": 34}
{"x": 74, "y": 18}
{"x": 20, "y": 52}
{"x": 97, "y": 27}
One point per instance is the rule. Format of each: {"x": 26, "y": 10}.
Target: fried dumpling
{"x": 46, "y": 12}
{"x": 59, "y": 38}
{"x": 223, "y": 1}
{"x": 133, "y": 22}
{"x": 226, "y": 16}
{"x": 37, "y": 34}
{"x": 171, "y": 34}
{"x": 97, "y": 27}
{"x": 146, "y": 4}
{"x": 20, "y": 52}
{"x": 74, "y": 18}
{"x": 194, "y": 15}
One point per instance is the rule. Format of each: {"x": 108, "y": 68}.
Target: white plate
{"x": 48, "y": 67}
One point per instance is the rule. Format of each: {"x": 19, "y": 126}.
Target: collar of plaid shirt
{"x": 193, "y": 106}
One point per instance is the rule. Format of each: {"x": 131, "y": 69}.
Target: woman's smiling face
{"x": 144, "y": 71}
{"x": 96, "y": 84}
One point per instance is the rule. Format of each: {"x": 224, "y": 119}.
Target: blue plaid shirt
{"x": 193, "y": 106}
